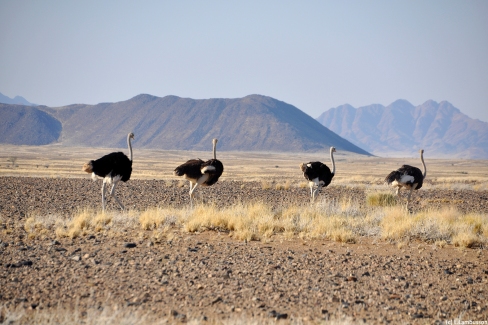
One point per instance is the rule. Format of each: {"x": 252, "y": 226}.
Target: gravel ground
{"x": 209, "y": 276}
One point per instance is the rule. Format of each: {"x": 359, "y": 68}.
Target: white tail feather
{"x": 207, "y": 169}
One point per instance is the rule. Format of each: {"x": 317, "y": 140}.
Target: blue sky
{"x": 312, "y": 54}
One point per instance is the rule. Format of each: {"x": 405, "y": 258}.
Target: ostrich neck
{"x": 333, "y": 162}
{"x": 130, "y": 148}
{"x": 423, "y": 163}
{"x": 214, "y": 151}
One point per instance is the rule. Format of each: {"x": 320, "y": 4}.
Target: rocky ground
{"x": 210, "y": 277}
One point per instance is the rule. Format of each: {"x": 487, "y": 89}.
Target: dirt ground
{"x": 209, "y": 277}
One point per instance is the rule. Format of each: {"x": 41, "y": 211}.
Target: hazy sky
{"x": 312, "y": 54}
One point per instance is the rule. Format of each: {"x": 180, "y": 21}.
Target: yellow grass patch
{"x": 381, "y": 199}
{"x": 265, "y": 185}
{"x": 83, "y": 222}
{"x": 438, "y": 226}
{"x": 343, "y": 221}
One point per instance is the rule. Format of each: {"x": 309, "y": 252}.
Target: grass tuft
{"x": 381, "y": 200}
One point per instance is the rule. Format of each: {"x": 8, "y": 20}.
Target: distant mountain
{"x": 27, "y": 125}
{"x": 19, "y": 100}
{"x": 252, "y": 123}
{"x": 401, "y": 129}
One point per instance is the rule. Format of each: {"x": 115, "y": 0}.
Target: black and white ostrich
{"x": 407, "y": 176}
{"x": 318, "y": 174}
{"x": 199, "y": 172}
{"x": 113, "y": 167}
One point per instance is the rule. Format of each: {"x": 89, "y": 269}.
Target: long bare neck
{"x": 215, "y": 150}
{"x": 423, "y": 163}
{"x": 332, "y": 161}
{"x": 130, "y": 147}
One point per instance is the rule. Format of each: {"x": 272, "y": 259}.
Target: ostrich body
{"x": 407, "y": 176}
{"x": 318, "y": 174}
{"x": 114, "y": 167}
{"x": 199, "y": 172}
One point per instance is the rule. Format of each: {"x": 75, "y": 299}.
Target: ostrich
{"x": 408, "y": 177}
{"x": 199, "y": 172}
{"x": 318, "y": 174}
{"x": 112, "y": 167}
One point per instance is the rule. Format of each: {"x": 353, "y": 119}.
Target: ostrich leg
{"x": 414, "y": 186}
{"x": 103, "y": 195}
{"x": 112, "y": 192}
{"x": 315, "y": 193}
{"x": 192, "y": 188}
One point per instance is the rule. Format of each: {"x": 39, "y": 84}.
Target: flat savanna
{"x": 252, "y": 249}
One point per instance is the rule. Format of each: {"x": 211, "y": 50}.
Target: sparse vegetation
{"x": 342, "y": 221}
{"x": 381, "y": 200}
{"x": 178, "y": 248}
{"x": 265, "y": 185}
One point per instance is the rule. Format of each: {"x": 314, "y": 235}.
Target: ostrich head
{"x": 214, "y": 141}
{"x": 131, "y": 135}
{"x": 421, "y": 151}
{"x": 332, "y": 149}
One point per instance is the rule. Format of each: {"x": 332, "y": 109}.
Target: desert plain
{"x": 253, "y": 249}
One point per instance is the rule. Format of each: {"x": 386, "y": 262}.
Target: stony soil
{"x": 210, "y": 276}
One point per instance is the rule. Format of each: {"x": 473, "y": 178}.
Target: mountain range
{"x": 400, "y": 129}
{"x": 251, "y": 123}
{"x": 19, "y": 100}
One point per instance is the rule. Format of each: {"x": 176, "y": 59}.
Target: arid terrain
{"x": 126, "y": 274}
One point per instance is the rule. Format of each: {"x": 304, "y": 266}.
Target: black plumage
{"x": 407, "y": 176}
{"x": 114, "y": 167}
{"x": 406, "y": 170}
{"x": 193, "y": 168}
{"x": 199, "y": 172}
{"x": 318, "y": 174}
{"x": 111, "y": 165}
{"x": 316, "y": 169}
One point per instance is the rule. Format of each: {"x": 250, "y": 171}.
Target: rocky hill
{"x": 252, "y": 123}
{"x": 27, "y": 125}
{"x": 401, "y": 129}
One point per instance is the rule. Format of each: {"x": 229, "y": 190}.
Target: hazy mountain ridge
{"x": 252, "y": 123}
{"x": 19, "y": 100}
{"x": 402, "y": 128}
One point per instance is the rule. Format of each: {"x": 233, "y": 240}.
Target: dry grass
{"x": 341, "y": 221}
{"x": 111, "y": 315}
{"x": 437, "y": 226}
{"x": 266, "y": 185}
{"x": 381, "y": 199}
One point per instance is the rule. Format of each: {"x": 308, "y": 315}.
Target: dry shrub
{"x": 465, "y": 239}
{"x": 303, "y": 185}
{"x": 447, "y": 225}
{"x": 206, "y": 218}
{"x": 153, "y": 218}
{"x": 396, "y": 224}
{"x": 441, "y": 243}
{"x": 36, "y": 228}
{"x": 265, "y": 185}
{"x": 287, "y": 185}
{"x": 381, "y": 200}
{"x": 334, "y": 227}
{"x": 83, "y": 222}
{"x": 283, "y": 186}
